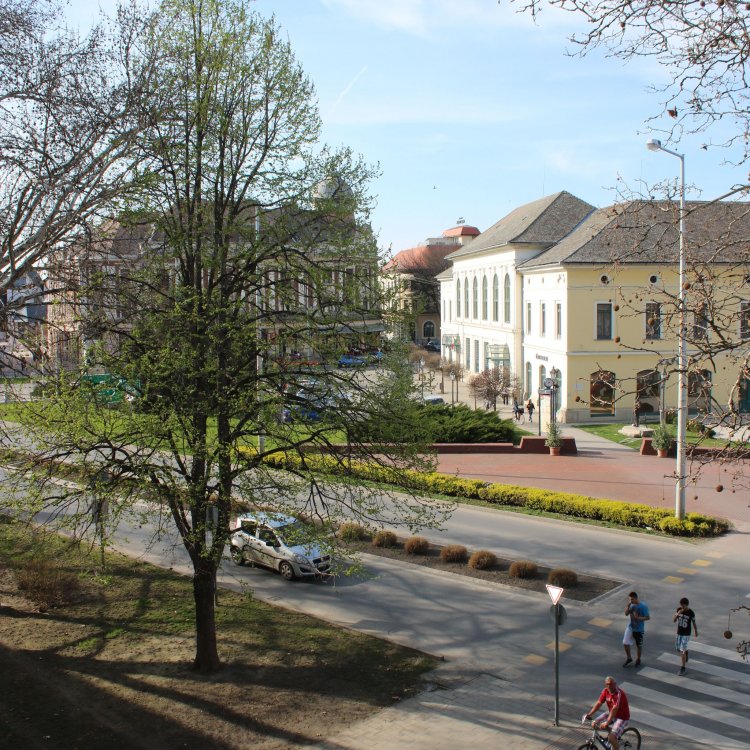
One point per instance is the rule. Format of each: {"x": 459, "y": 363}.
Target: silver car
{"x": 277, "y": 542}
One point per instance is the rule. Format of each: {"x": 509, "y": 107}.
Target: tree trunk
{"x": 204, "y": 590}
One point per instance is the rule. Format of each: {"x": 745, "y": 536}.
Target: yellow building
{"x": 582, "y": 306}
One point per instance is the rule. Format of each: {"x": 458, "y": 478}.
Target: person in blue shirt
{"x": 637, "y": 611}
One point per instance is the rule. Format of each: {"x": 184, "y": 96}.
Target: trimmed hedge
{"x": 634, "y": 515}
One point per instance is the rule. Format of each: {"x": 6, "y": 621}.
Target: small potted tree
{"x": 661, "y": 440}
{"x": 554, "y": 439}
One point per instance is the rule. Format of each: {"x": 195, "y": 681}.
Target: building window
{"x": 653, "y": 320}
{"x": 475, "y": 299}
{"x": 700, "y": 323}
{"x": 428, "y": 329}
{"x": 495, "y": 298}
{"x": 458, "y": 299}
{"x": 466, "y": 298}
{"x": 506, "y": 299}
{"x": 476, "y": 355}
{"x": 468, "y": 354}
{"x": 558, "y": 320}
{"x": 528, "y": 317}
{"x": 745, "y": 320}
{"x": 484, "y": 298}
{"x": 527, "y": 384}
{"x": 543, "y": 319}
{"x": 603, "y": 320}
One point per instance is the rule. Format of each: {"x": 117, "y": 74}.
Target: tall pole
{"x": 682, "y": 382}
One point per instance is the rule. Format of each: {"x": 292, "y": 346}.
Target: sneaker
{"x": 627, "y": 661}
{"x": 637, "y": 662}
{"x": 682, "y": 670}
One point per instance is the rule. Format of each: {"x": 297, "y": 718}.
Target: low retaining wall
{"x": 528, "y": 445}
{"x": 693, "y": 450}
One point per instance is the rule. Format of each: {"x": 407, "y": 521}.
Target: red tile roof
{"x": 464, "y": 230}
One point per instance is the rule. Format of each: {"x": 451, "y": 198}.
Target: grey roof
{"x": 647, "y": 232}
{"x": 542, "y": 222}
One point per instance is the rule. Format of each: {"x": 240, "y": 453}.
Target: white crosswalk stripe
{"x": 695, "y": 706}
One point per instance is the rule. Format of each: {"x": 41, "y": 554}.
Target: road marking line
{"x": 685, "y": 706}
{"x": 697, "y": 686}
{"x": 702, "y": 563}
{"x": 601, "y": 622}
{"x": 724, "y": 653}
{"x": 702, "y": 666}
{"x": 562, "y": 646}
{"x": 704, "y": 736}
{"x": 672, "y": 579}
{"x": 687, "y": 571}
{"x": 582, "y": 634}
{"x": 535, "y": 659}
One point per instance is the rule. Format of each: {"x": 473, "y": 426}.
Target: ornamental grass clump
{"x": 483, "y": 560}
{"x": 523, "y": 569}
{"x": 352, "y": 532}
{"x": 454, "y": 553}
{"x": 416, "y": 545}
{"x": 384, "y": 539}
{"x": 563, "y": 577}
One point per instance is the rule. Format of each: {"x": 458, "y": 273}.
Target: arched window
{"x": 475, "y": 299}
{"x": 466, "y": 298}
{"x": 458, "y": 298}
{"x": 495, "y": 298}
{"x": 428, "y": 329}
{"x": 484, "y": 298}
{"x": 506, "y": 299}
{"x": 602, "y": 393}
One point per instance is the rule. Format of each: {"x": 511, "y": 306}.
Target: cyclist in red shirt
{"x": 617, "y": 715}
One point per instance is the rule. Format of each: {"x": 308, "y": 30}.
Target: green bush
{"x": 384, "y": 539}
{"x": 352, "y": 532}
{"x": 563, "y": 577}
{"x": 632, "y": 515}
{"x": 454, "y": 553}
{"x": 416, "y": 545}
{"x": 523, "y": 569}
{"x": 483, "y": 560}
{"x": 661, "y": 438}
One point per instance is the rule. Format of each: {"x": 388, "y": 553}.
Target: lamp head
{"x": 654, "y": 144}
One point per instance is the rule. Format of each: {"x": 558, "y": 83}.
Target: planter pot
{"x": 554, "y": 450}
{"x": 662, "y": 452}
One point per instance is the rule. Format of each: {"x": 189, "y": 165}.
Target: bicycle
{"x": 630, "y": 739}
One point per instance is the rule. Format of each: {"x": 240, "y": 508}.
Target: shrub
{"x": 483, "y": 560}
{"x": 352, "y": 532}
{"x": 416, "y": 545}
{"x": 563, "y": 577}
{"x": 554, "y": 436}
{"x": 661, "y": 438}
{"x": 384, "y": 539}
{"x": 523, "y": 569}
{"x": 454, "y": 553}
{"x": 46, "y": 584}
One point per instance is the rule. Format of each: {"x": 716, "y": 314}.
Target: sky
{"x": 471, "y": 110}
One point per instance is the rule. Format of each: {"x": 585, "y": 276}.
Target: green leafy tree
{"x": 246, "y": 236}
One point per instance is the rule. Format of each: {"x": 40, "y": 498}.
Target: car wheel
{"x": 286, "y": 570}
{"x": 238, "y": 558}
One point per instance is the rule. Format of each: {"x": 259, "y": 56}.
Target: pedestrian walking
{"x": 685, "y": 619}
{"x": 638, "y": 613}
{"x": 530, "y": 409}
{"x": 517, "y": 410}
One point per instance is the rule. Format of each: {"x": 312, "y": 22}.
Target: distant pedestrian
{"x": 685, "y": 619}
{"x": 638, "y": 613}
{"x": 517, "y": 410}
{"x": 637, "y": 413}
{"x": 530, "y": 409}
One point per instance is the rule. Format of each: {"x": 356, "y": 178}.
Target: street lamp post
{"x": 453, "y": 382}
{"x": 682, "y": 384}
{"x": 554, "y": 374}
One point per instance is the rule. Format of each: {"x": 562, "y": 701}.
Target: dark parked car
{"x": 352, "y": 360}
{"x": 432, "y": 346}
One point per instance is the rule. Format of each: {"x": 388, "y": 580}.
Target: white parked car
{"x": 278, "y": 542}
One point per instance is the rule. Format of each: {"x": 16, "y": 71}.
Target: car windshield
{"x": 294, "y": 533}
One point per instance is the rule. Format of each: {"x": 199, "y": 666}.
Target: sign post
{"x": 558, "y": 615}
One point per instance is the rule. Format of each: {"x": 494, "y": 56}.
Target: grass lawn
{"x": 612, "y": 432}
{"x": 106, "y": 665}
